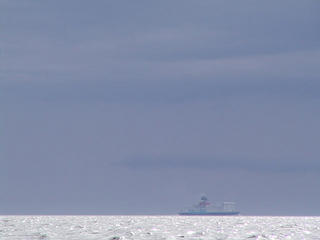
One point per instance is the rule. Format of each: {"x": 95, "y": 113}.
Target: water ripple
{"x": 158, "y": 228}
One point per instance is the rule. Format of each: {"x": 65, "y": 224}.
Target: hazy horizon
{"x": 122, "y": 107}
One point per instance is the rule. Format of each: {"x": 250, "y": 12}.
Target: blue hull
{"x": 209, "y": 213}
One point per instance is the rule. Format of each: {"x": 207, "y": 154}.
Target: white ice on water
{"x": 157, "y": 227}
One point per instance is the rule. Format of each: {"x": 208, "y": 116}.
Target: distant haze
{"x": 139, "y": 107}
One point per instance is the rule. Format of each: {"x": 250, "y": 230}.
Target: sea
{"x": 157, "y": 227}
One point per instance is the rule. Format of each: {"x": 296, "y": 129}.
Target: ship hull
{"x": 209, "y": 213}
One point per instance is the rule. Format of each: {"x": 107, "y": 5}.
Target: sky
{"x": 140, "y": 107}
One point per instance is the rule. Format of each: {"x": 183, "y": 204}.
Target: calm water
{"x": 157, "y": 227}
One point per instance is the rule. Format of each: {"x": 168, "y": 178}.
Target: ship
{"x": 205, "y": 208}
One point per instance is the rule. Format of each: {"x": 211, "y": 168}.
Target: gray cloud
{"x": 154, "y": 92}
{"x": 68, "y": 40}
{"x": 301, "y": 166}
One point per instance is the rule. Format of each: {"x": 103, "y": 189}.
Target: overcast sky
{"x": 139, "y": 107}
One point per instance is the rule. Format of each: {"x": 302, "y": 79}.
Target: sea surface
{"x": 157, "y": 227}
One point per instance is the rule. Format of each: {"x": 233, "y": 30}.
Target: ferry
{"x": 205, "y": 208}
